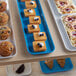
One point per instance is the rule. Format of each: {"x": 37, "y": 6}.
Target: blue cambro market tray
{"x": 56, "y": 67}
{"x": 43, "y": 28}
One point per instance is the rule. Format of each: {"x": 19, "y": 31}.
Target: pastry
{"x": 40, "y": 36}
{"x": 61, "y": 62}
{"x": 6, "y": 48}
{"x": 39, "y": 46}
{"x": 69, "y": 19}
{"x": 71, "y": 26}
{"x": 34, "y": 20}
{"x": 2, "y": 6}
{"x": 72, "y": 36}
{"x": 3, "y": 18}
{"x": 68, "y": 9}
{"x": 25, "y": 0}
{"x": 33, "y": 28}
{"x": 29, "y": 12}
{"x": 30, "y": 4}
{"x": 5, "y": 32}
{"x": 49, "y": 63}
{"x": 62, "y": 3}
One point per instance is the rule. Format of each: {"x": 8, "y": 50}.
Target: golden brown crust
{"x": 6, "y": 48}
{"x": 49, "y": 63}
{"x": 28, "y": 5}
{"x": 61, "y": 62}
{"x": 5, "y": 32}
{"x": 27, "y": 14}
{"x": 37, "y": 48}
{"x": 3, "y": 18}
{"x": 3, "y": 6}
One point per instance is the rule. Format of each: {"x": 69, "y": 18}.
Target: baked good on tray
{"x": 3, "y": 6}
{"x": 34, "y": 20}
{"x": 6, "y": 48}
{"x": 25, "y": 0}
{"x": 39, "y": 46}
{"x": 33, "y": 28}
{"x": 30, "y": 4}
{"x": 3, "y": 18}
{"x": 40, "y": 36}
{"x": 61, "y": 62}
{"x": 68, "y": 9}
{"x": 72, "y": 36}
{"x": 62, "y": 3}
{"x": 29, "y": 12}
{"x": 5, "y": 32}
{"x": 69, "y": 19}
{"x": 49, "y": 63}
{"x": 65, "y": 6}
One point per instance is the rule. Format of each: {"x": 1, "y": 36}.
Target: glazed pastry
{"x": 30, "y": 4}
{"x": 29, "y": 12}
{"x": 69, "y": 19}
{"x": 39, "y": 46}
{"x": 49, "y": 63}
{"x": 2, "y": 6}
{"x": 6, "y": 48}
{"x": 40, "y": 36}
{"x": 5, "y": 32}
{"x": 71, "y": 26}
{"x": 62, "y": 3}
{"x": 3, "y": 18}
{"x": 61, "y": 62}
{"x": 34, "y": 20}
{"x": 25, "y": 0}
{"x": 33, "y": 28}
{"x": 68, "y": 9}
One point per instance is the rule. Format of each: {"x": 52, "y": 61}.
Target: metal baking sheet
{"x": 57, "y": 16}
{"x": 10, "y": 25}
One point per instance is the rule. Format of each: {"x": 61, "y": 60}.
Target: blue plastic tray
{"x": 43, "y": 28}
{"x": 56, "y": 67}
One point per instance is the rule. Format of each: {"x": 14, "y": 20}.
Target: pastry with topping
{"x": 68, "y": 9}
{"x": 3, "y": 18}
{"x": 39, "y": 46}
{"x": 3, "y": 6}
{"x": 29, "y": 12}
{"x": 6, "y": 48}
{"x": 61, "y": 62}
{"x": 40, "y": 36}
{"x": 5, "y": 32}
{"x": 62, "y": 3}
{"x": 34, "y": 20}
{"x": 30, "y": 4}
{"x": 33, "y": 28}
{"x": 49, "y": 63}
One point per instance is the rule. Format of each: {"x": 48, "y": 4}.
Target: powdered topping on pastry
{"x": 40, "y": 44}
{"x": 34, "y": 26}
{"x": 41, "y": 34}
{"x": 30, "y": 11}
{"x": 31, "y": 2}
{"x": 74, "y": 34}
{"x": 36, "y": 18}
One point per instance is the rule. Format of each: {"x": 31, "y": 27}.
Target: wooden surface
{"x": 22, "y": 55}
{"x": 36, "y": 71}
